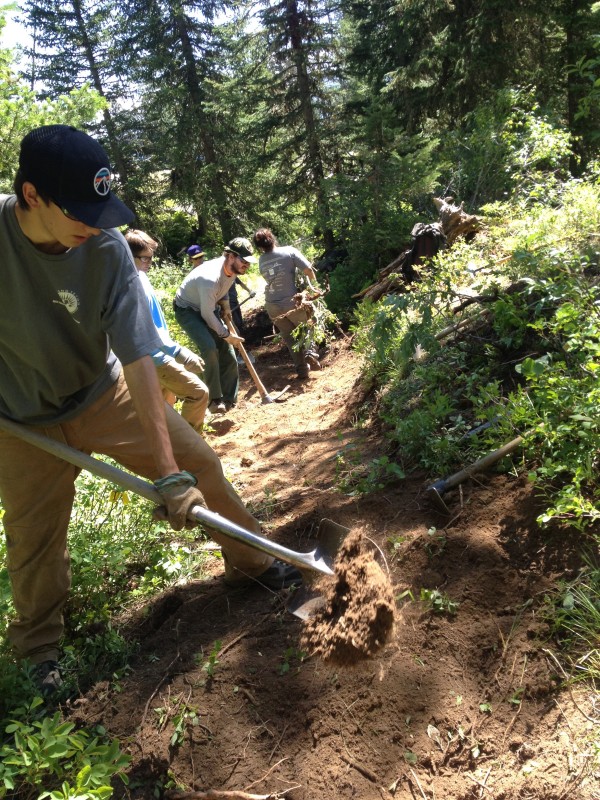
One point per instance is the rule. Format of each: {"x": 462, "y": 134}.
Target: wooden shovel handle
{"x": 257, "y": 381}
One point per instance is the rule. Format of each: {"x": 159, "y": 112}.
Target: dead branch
{"x": 364, "y": 771}
{"x": 165, "y": 677}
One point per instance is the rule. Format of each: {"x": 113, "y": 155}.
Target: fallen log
{"x": 428, "y": 239}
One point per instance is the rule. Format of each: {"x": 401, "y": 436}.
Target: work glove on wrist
{"x": 179, "y": 494}
{"x": 190, "y": 360}
{"x": 225, "y": 310}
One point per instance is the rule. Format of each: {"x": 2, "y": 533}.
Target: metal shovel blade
{"x": 273, "y": 398}
{"x": 306, "y": 600}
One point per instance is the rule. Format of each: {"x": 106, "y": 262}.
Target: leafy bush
{"x": 45, "y": 757}
{"x": 507, "y": 146}
{"x": 528, "y": 359}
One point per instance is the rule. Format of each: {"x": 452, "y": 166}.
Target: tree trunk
{"x": 111, "y": 130}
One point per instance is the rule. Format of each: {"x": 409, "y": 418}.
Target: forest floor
{"x": 456, "y": 706}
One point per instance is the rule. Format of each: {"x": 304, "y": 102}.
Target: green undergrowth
{"x": 499, "y": 339}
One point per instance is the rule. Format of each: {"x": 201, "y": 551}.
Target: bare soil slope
{"x": 455, "y": 707}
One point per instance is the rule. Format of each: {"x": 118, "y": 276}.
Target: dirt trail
{"x": 455, "y": 706}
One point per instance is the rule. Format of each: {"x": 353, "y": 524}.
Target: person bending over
{"x": 278, "y": 267}
{"x": 178, "y": 369}
{"x": 202, "y": 310}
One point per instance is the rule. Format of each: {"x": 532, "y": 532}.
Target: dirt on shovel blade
{"x": 358, "y": 616}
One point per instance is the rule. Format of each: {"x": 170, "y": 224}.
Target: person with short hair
{"x": 202, "y": 310}
{"x": 278, "y": 266}
{"x": 178, "y": 368}
{"x": 76, "y": 336}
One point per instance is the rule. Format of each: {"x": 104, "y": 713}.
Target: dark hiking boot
{"x": 48, "y": 678}
{"x": 217, "y": 406}
{"x": 312, "y": 359}
{"x": 280, "y": 576}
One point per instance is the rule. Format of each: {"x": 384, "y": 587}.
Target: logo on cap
{"x": 102, "y": 182}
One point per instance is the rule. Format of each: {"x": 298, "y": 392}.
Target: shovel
{"x": 265, "y": 396}
{"x": 316, "y": 563}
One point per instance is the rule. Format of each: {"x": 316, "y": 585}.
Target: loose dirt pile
{"x": 358, "y": 617}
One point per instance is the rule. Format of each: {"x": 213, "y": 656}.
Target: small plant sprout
{"x": 516, "y": 697}
{"x": 395, "y": 542}
{"x": 290, "y": 655}
{"x": 212, "y": 662}
{"x": 437, "y": 542}
{"x": 439, "y": 602}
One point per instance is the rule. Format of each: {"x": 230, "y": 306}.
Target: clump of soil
{"x": 358, "y": 616}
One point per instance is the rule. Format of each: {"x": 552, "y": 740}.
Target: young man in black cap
{"x": 202, "y": 310}
{"x": 76, "y": 336}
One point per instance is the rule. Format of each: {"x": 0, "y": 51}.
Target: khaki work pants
{"x": 178, "y": 382}
{"x": 37, "y": 492}
{"x": 285, "y": 326}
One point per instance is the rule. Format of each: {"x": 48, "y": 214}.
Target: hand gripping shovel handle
{"x": 144, "y": 489}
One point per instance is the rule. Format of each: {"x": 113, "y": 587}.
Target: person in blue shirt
{"x": 178, "y": 368}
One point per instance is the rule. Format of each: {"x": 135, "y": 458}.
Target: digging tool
{"x": 245, "y": 300}
{"x": 265, "y": 396}
{"x": 437, "y": 489}
{"x": 318, "y": 562}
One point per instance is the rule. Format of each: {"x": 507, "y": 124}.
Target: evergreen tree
{"x": 303, "y": 99}
{"x": 72, "y": 47}
{"x": 179, "y": 56}
{"x": 21, "y": 111}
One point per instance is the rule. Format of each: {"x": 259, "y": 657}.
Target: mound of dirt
{"x": 358, "y": 616}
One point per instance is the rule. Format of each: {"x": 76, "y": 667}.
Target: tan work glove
{"x": 190, "y": 361}
{"x": 234, "y": 339}
{"x": 179, "y": 493}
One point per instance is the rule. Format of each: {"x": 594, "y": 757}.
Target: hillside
{"x": 463, "y": 704}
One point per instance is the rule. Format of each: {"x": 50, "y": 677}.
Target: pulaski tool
{"x": 265, "y": 396}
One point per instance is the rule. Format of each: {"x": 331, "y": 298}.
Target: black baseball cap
{"x": 73, "y": 170}
{"x": 242, "y": 248}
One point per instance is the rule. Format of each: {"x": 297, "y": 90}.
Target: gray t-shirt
{"x": 278, "y": 268}
{"x": 62, "y": 318}
{"x": 200, "y": 290}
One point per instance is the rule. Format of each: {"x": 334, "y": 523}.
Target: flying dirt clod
{"x": 357, "y": 618}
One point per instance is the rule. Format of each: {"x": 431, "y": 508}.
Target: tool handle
{"x": 477, "y": 466}
{"x": 254, "y": 375}
{"x": 147, "y": 490}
